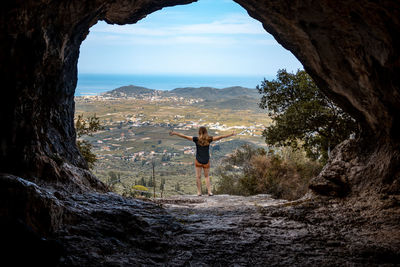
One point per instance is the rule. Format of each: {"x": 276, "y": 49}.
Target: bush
{"x": 112, "y": 180}
{"x": 86, "y": 151}
{"x": 83, "y": 127}
{"x": 283, "y": 174}
{"x": 136, "y": 191}
{"x": 140, "y": 188}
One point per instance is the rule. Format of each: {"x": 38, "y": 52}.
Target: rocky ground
{"x": 259, "y": 231}
{"x": 46, "y": 226}
{"x": 222, "y": 230}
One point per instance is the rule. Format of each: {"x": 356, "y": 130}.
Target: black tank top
{"x": 202, "y": 152}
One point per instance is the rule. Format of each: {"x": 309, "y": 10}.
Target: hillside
{"x": 239, "y": 103}
{"x": 210, "y": 93}
{"x": 206, "y": 93}
{"x": 137, "y": 120}
{"x": 130, "y": 91}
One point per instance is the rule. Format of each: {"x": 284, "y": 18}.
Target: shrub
{"x": 83, "y": 127}
{"x": 136, "y": 191}
{"x": 86, "y": 151}
{"x": 283, "y": 174}
{"x": 140, "y": 188}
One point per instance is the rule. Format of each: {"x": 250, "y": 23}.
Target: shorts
{"x": 204, "y": 166}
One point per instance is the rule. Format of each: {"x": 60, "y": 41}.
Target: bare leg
{"x": 207, "y": 178}
{"x": 198, "y": 181}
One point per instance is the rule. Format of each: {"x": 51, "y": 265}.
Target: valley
{"x": 137, "y": 122}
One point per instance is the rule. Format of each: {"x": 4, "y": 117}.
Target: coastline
{"x": 95, "y": 84}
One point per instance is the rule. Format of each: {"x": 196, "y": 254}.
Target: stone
{"x": 29, "y": 215}
{"x": 350, "y": 49}
{"x": 22, "y": 200}
{"x": 95, "y": 229}
{"x": 22, "y": 246}
{"x": 334, "y": 180}
{"x": 226, "y": 230}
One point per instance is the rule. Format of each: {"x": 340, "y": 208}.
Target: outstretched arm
{"x": 216, "y": 138}
{"x": 190, "y": 138}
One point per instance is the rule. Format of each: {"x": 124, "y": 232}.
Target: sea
{"x": 95, "y": 84}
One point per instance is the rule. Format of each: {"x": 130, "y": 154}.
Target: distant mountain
{"x": 242, "y": 103}
{"x": 240, "y": 91}
{"x": 131, "y": 91}
{"x": 210, "y": 93}
{"x": 206, "y": 93}
{"x": 200, "y": 92}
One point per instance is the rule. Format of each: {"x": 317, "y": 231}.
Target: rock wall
{"x": 41, "y": 41}
{"x": 351, "y": 49}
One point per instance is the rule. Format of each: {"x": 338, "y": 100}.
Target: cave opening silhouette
{"x": 350, "y": 48}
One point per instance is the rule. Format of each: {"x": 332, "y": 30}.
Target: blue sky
{"x": 209, "y": 37}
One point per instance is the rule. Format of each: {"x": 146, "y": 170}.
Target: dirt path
{"x": 223, "y": 230}
{"x": 228, "y": 230}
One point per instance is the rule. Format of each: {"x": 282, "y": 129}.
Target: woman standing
{"x": 202, "y": 161}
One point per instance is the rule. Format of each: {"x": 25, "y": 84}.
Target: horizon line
{"x": 179, "y": 74}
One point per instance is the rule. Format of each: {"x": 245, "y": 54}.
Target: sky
{"x": 209, "y": 37}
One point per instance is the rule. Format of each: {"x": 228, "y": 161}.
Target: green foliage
{"x": 283, "y": 174}
{"x": 113, "y": 179}
{"x": 303, "y": 115}
{"x": 87, "y": 127}
{"x": 150, "y": 183}
{"x": 86, "y": 151}
{"x": 165, "y": 158}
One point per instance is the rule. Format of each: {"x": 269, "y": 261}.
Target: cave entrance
{"x": 209, "y": 44}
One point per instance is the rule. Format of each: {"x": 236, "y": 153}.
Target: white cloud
{"x": 184, "y": 43}
{"x": 219, "y": 27}
{"x": 215, "y": 40}
{"x": 233, "y": 24}
{"x": 128, "y": 30}
{"x": 232, "y": 30}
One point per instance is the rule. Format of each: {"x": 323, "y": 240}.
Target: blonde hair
{"x": 204, "y": 138}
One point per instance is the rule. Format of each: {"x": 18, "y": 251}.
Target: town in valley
{"x": 135, "y": 137}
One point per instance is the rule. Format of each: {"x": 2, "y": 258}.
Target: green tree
{"x": 143, "y": 182}
{"x": 303, "y": 115}
{"x": 165, "y": 157}
{"x": 162, "y": 184}
{"x": 150, "y": 183}
{"x": 83, "y": 127}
